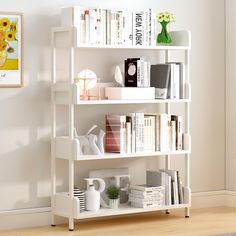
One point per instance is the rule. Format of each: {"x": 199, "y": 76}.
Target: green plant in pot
{"x": 113, "y": 193}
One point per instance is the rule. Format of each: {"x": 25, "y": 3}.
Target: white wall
{"x": 25, "y": 113}
{"x": 230, "y": 94}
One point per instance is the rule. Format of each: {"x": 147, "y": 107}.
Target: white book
{"x": 108, "y": 26}
{"x": 173, "y": 175}
{"x": 139, "y": 132}
{"x": 87, "y": 26}
{"x": 138, "y": 28}
{"x": 129, "y": 26}
{"x": 142, "y": 72}
{"x": 103, "y": 26}
{"x": 113, "y": 23}
{"x": 99, "y": 27}
{"x": 171, "y": 81}
{"x": 128, "y": 137}
{"x": 165, "y": 132}
{"x": 176, "y": 81}
{"x": 143, "y": 194}
{"x": 146, "y": 188}
{"x": 139, "y": 82}
{"x": 93, "y": 26}
{"x": 149, "y": 197}
{"x": 145, "y": 205}
{"x": 146, "y": 28}
{"x": 155, "y": 200}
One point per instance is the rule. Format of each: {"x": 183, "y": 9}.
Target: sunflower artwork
{"x": 10, "y": 50}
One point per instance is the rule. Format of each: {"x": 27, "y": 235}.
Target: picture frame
{"x": 11, "y": 49}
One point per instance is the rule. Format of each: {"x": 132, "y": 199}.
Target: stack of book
{"x": 104, "y": 26}
{"x": 137, "y": 72}
{"x": 169, "y": 179}
{"x": 143, "y": 132}
{"x": 144, "y": 196}
{"x": 168, "y": 80}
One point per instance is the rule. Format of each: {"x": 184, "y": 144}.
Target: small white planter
{"x": 114, "y": 203}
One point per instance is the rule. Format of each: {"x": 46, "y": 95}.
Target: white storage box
{"x": 129, "y": 93}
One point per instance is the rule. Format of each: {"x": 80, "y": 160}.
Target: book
{"x": 128, "y": 135}
{"x": 139, "y": 132}
{"x": 143, "y": 194}
{"x": 174, "y": 185}
{"x": 173, "y": 135}
{"x": 179, "y": 131}
{"x": 146, "y": 188}
{"x": 145, "y": 205}
{"x": 131, "y": 72}
{"x": 115, "y": 138}
{"x": 149, "y": 132}
{"x": 138, "y": 28}
{"x": 160, "y": 75}
{"x": 160, "y": 178}
{"x": 155, "y": 200}
{"x": 165, "y": 132}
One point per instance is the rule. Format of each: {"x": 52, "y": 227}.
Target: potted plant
{"x": 113, "y": 193}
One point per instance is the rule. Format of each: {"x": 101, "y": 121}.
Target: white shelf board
{"x": 122, "y": 210}
{"x": 109, "y": 156}
{"x": 141, "y": 101}
{"x": 120, "y": 47}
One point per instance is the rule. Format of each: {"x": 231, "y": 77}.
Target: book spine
{"x": 93, "y": 26}
{"x": 146, "y": 28}
{"x": 115, "y": 139}
{"x": 103, "y": 27}
{"x": 113, "y": 28}
{"x": 157, "y": 134}
{"x": 180, "y": 133}
{"x": 99, "y": 27}
{"x": 173, "y": 135}
{"x": 128, "y": 137}
{"x": 108, "y": 27}
{"x": 176, "y": 81}
{"x": 138, "y": 28}
{"x": 129, "y": 35}
{"x": 165, "y": 132}
{"x": 139, "y": 83}
{"x": 87, "y": 26}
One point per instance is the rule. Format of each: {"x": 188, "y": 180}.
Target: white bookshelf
{"x": 67, "y": 93}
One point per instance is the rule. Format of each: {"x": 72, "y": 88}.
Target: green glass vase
{"x": 164, "y": 37}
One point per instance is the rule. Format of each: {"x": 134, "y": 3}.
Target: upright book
{"x": 160, "y": 75}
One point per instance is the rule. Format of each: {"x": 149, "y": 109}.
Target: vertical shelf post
{"x": 187, "y": 130}
{"x": 71, "y": 134}
{"x": 53, "y": 132}
{"x": 167, "y": 110}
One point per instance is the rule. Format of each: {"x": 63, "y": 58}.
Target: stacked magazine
{"x": 144, "y": 196}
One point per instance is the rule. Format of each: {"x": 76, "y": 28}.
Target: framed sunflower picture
{"x": 11, "y": 43}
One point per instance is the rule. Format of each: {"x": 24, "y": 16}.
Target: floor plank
{"x": 211, "y": 221}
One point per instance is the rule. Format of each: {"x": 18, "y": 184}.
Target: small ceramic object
{"x": 114, "y": 203}
{"x": 118, "y": 76}
{"x": 92, "y": 199}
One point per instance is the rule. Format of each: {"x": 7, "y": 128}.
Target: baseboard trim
{"x": 41, "y": 216}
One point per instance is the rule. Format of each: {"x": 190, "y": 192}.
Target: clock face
{"x": 131, "y": 69}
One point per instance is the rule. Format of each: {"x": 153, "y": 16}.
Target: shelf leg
{"x": 187, "y": 212}
{"x": 71, "y": 224}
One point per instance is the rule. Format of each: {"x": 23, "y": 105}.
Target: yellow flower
{"x": 4, "y": 24}
{"x": 3, "y": 45}
{"x": 10, "y": 36}
{"x": 2, "y": 36}
{"x": 13, "y": 26}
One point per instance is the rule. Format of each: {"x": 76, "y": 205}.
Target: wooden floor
{"x": 210, "y": 221}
